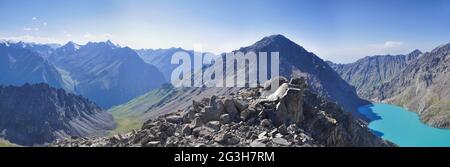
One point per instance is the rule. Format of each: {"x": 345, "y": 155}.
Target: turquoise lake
{"x": 403, "y": 127}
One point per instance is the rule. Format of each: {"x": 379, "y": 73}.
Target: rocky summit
{"x": 291, "y": 116}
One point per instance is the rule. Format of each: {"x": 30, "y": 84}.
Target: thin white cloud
{"x": 350, "y": 53}
{"x": 387, "y": 45}
{"x": 31, "y": 29}
{"x": 34, "y": 18}
{"x": 87, "y": 35}
{"x": 30, "y": 38}
{"x": 97, "y": 37}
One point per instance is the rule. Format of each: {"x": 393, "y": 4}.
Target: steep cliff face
{"x": 38, "y": 114}
{"x": 423, "y": 86}
{"x": 372, "y": 71}
{"x": 295, "y": 118}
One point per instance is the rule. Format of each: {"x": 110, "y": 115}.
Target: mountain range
{"x": 105, "y": 73}
{"x": 295, "y": 61}
{"x": 371, "y": 71}
{"x": 20, "y": 65}
{"x": 133, "y": 86}
{"x": 101, "y": 71}
{"x": 417, "y": 81}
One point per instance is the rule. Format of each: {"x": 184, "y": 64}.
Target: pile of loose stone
{"x": 255, "y": 117}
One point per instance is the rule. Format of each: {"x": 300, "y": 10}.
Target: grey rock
{"x": 281, "y": 80}
{"x": 266, "y": 123}
{"x": 197, "y": 122}
{"x": 187, "y": 130}
{"x": 176, "y": 119}
{"x": 262, "y": 135}
{"x": 323, "y": 123}
{"x": 231, "y": 109}
{"x": 240, "y": 104}
{"x": 298, "y": 81}
{"x": 257, "y": 144}
{"x": 209, "y": 113}
{"x": 222, "y": 138}
{"x": 245, "y": 114}
{"x": 153, "y": 144}
{"x": 215, "y": 125}
{"x": 282, "y": 129}
{"x": 281, "y": 141}
{"x": 233, "y": 140}
{"x": 225, "y": 118}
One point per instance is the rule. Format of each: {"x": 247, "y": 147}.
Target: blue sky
{"x": 337, "y": 30}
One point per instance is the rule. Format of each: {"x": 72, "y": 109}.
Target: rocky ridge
{"x": 372, "y": 71}
{"x": 423, "y": 87}
{"x": 291, "y": 116}
{"x": 38, "y": 114}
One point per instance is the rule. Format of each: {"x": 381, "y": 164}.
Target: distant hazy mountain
{"x": 423, "y": 86}
{"x": 20, "y": 64}
{"x": 161, "y": 59}
{"x": 106, "y": 73}
{"x": 38, "y": 114}
{"x": 371, "y": 71}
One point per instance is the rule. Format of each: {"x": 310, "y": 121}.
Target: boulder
{"x": 280, "y": 79}
{"x": 152, "y": 144}
{"x": 257, "y": 144}
{"x": 279, "y": 93}
{"x": 225, "y": 118}
{"x": 233, "y": 140}
{"x": 289, "y": 109}
{"x": 266, "y": 123}
{"x": 222, "y": 138}
{"x": 280, "y": 141}
{"x": 188, "y": 116}
{"x": 299, "y": 82}
{"x": 231, "y": 109}
{"x": 209, "y": 113}
{"x": 201, "y": 132}
{"x": 167, "y": 128}
{"x": 197, "y": 122}
{"x": 176, "y": 119}
{"x": 215, "y": 125}
{"x": 245, "y": 114}
{"x": 282, "y": 129}
{"x": 240, "y": 104}
{"x": 186, "y": 130}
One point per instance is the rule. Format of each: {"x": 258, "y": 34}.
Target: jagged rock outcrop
{"x": 297, "y": 118}
{"x": 38, "y": 114}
